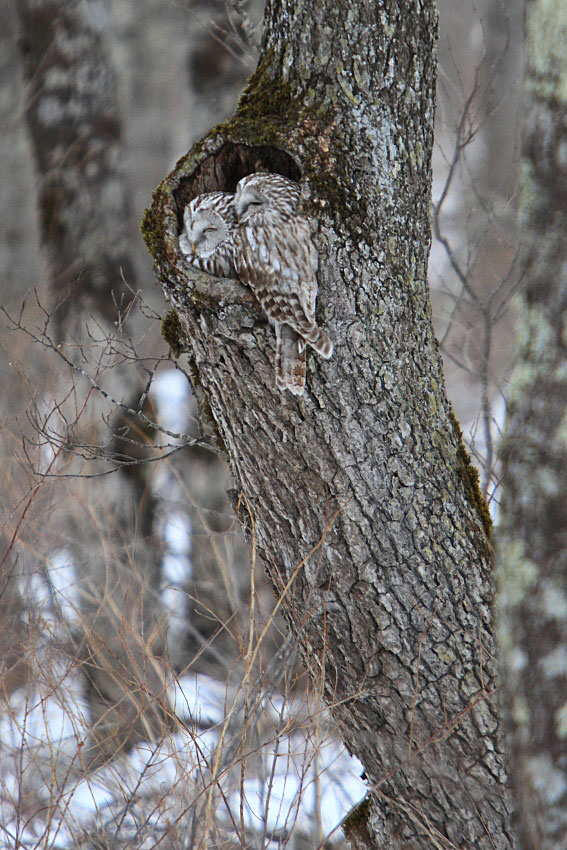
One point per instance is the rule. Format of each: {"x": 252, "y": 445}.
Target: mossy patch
{"x": 152, "y": 229}
{"x": 355, "y": 825}
{"x": 172, "y": 333}
{"x": 266, "y": 110}
{"x": 148, "y": 231}
{"x": 471, "y": 479}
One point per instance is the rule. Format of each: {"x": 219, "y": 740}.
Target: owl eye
{"x": 209, "y": 229}
{"x": 250, "y": 207}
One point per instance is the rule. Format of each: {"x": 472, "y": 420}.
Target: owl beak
{"x": 193, "y": 247}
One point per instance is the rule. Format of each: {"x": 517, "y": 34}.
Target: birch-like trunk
{"x": 532, "y": 562}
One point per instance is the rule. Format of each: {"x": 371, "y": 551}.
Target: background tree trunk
{"x": 366, "y": 508}
{"x": 532, "y": 562}
{"x": 73, "y": 115}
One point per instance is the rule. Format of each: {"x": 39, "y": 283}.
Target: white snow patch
{"x": 171, "y": 392}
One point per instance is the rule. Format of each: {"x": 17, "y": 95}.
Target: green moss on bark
{"x": 471, "y": 480}
{"x": 172, "y": 333}
{"x": 266, "y": 110}
{"x": 152, "y": 228}
{"x": 355, "y": 825}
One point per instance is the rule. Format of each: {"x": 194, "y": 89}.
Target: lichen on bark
{"x": 531, "y": 543}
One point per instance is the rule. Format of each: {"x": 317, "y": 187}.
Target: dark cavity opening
{"x": 221, "y": 172}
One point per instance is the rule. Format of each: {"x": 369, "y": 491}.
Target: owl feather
{"x": 206, "y": 240}
{"x": 275, "y": 256}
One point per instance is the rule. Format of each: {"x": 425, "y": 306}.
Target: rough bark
{"x": 366, "y": 508}
{"x": 532, "y": 562}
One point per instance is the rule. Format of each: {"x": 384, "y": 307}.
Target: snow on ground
{"x": 295, "y": 776}
{"x": 294, "y": 780}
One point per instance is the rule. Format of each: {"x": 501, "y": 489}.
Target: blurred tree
{"x": 76, "y": 117}
{"x": 473, "y": 263}
{"x": 365, "y": 506}
{"x": 73, "y": 115}
{"x": 532, "y": 561}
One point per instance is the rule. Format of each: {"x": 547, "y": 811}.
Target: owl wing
{"x": 291, "y": 360}
{"x": 279, "y": 263}
{"x": 308, "y": 260}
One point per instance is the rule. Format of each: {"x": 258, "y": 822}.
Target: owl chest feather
{"x": 278, "y": 262}
{"x": 219, "y": 262}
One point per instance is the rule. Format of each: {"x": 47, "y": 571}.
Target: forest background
{"x": 130, "y": 616}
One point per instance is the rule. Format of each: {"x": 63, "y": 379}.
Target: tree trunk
{"x": 532, "y": 563}
{"x": 72, "y": 113}
{"x": 366, "y": 508}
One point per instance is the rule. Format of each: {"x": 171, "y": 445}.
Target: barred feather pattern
{"x": 291, "y": 362}
{"x": 275, "y": 256}
{"x": 207, "y": 238}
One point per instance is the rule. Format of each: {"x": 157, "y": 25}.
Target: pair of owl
{"x": 257, "y": 237}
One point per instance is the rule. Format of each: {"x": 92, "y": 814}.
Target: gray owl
{"x": 274, "y": 255}
{"x": 206, "y": 240}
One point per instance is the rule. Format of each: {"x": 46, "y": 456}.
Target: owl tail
{"x": 290, "y": 360}
{"x": 320, "y": 341}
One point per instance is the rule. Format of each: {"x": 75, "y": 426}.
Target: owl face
{"x": 206, "y": 240}
{"x": 265, "y": 199}
{"x": 250, "y": 202}
{"x": 206, "y": 230}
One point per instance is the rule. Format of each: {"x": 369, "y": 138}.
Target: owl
{"x": 206, "y": 240}
{"x": 274, "y": 255}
